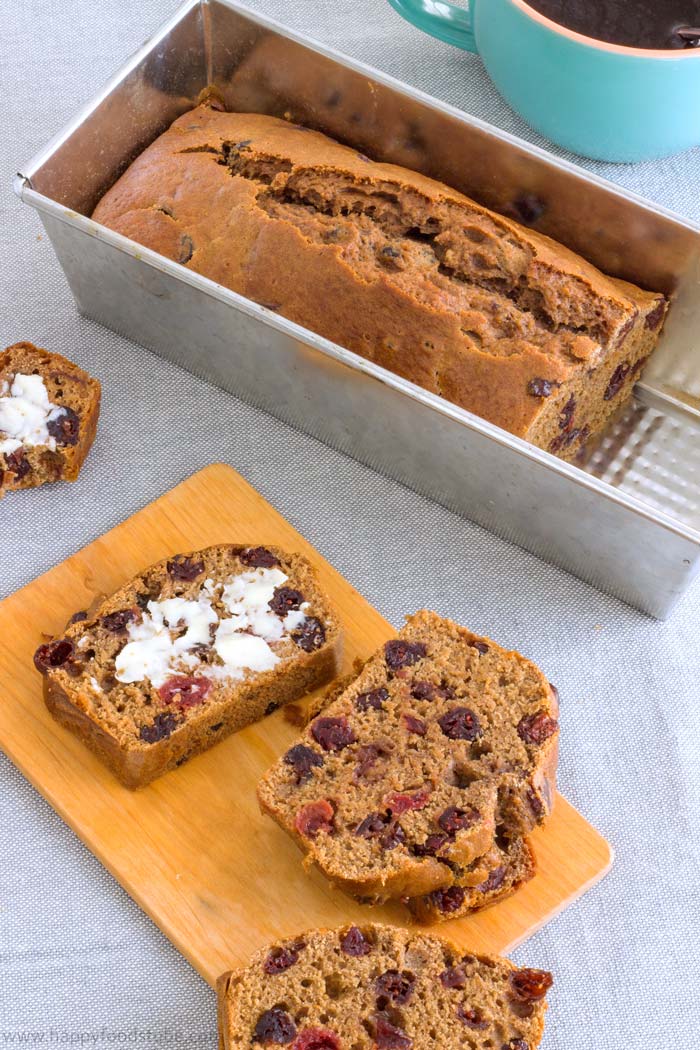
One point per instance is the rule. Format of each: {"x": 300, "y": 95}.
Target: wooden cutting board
{"x": 192, "y": 849}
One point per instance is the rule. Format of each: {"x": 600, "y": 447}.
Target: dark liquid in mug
{"x": 654, "y": 24}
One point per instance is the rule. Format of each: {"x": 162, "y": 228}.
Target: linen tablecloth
{"x": 79, "y": 963}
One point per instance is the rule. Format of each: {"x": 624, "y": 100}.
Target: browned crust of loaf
{"x": 274, "y": 262}
{"x": 138, "y": 765}
{"x": 419, "y": 878}
{"x": 232, "y": 978}
{"x": 72, "y": 456}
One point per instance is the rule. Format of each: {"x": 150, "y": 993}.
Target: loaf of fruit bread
{"x": 190, "y": 650}
{"x": 380, "y": 988}
{"x": 401, "y": 269}
{"x": 444, "y": 743}
{"x": 48, "y": 417}
{"x": 510, "y": 865}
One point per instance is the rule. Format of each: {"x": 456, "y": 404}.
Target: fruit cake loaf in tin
{"x": 192, "y": 649}
{"x": 444, "y": 743}
{"x": 48, "y": 417}
{"x": 395, "y": 266}
{"x": 380, "y": 988}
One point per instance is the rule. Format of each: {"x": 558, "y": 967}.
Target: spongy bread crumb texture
{"x": 71, "y": 434}
{"x": 380, "y": 988}
{"x": 405, "y": 271}
{"x": 141, "y": 728}
{"x": 442, "y": 748}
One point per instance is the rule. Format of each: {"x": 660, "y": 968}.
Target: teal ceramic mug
{"x": 600, "y": 100}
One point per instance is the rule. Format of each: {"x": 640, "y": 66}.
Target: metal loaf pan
{"x": 628, "y": 521}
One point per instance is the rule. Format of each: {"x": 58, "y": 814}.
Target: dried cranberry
{"x": 53, "y": 654}
{"x": 284, "y": 600}
{"x": 381, "y": 826}
{"x": 516, "y": 1044}
{"x": 333, "y": 734}
{"x": 472, "y": 1018}
{"x": 316, "y": 1039}
{"x": 315, "y": 818}
{"x": 536, "y": 803}
{"x": 415, "y": 725}
{"x": 281, "y": 959}
{"x": 424, "y": 691}
{"x": 398, "y": 653}
{"x": 303, "y": 759}
{"x": 274, "y": 1026}
{"x": 567, "y": 438}
{"x": 78, "y": 617}
{"x": 448, "y": 900}
{"x": 453, "y": 977}
{"x": 530, "y": 985}
{"x": 399, "y": 803}
{"x": 374, "y": 699}
{"x": 18, "y": 463}
{"x": 388, "y": 1037}
{"x": 481, "y": 647}
{"x": 117, "y": 621}
{"x": 616, "y": 380}
{"x": 431, "y": 847}
{"x": 160, "y": 729}
{"x": 259, "y": 558}
{"x": 392, "y": 987}
{"x": 654, "y": 318}
{"x": 310, "y": 635}
{"x": 460, "y": 723}
{"x": 183, "y": 568}
{"x": 494, "y": 880}
{"x": 453, "y": 819}
{"x": 65, "y": 428}
{"x": 367, "y": 757}
{"x": 566, "y": 416}
{"x": 185, "y": 691}
{"x": 540, "y": 387}
{"x": 535, "y": 729}
{"x": 353, "y": 942}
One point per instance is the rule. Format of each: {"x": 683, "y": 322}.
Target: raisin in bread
{"x": 443, "y": 742}
{"x": 509, "y": 864}
{"x": 192, "y": 649}
{"x": 380, "y": 988}
{"x": 401, "y": 269}
{"x": 48, "y": 417}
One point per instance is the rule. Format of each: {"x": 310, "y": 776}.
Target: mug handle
{"x": 439, "y": 18}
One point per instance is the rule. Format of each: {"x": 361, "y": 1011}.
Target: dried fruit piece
{"x": 53, "y": 654}
{"x": 617, "y": 379}
{"x": 535, "y": 729}
{"x": 394, "y": 987}
{"x": 390, "y": 1037}
{"x": 373, "y": 699}
{"x": 353, "y": 942}
{"x": 453, "y": 977}
{"x": 472, "y": 1018}
{"x": 529, "y": 986}
{"x": 654, "y": 318}
{"x": 310, "y": 635}
{"x": 367, "y": 757}
{"x": 117, "y": 621}
{"x": 284, "y": 600}
{"x": 259, "y": 558}
{"x": 184, "y": 690}
{"x": 414, "y": 724}
{"x": 431, "y": 847}
{"x": 399, "y": 653}
{"x": 274, "y": 1026}
{"x": 400, "y": 803}
{"x": 383, "y": 827}
{"x": 18, "y": 463}
{"x": 494, "y": 879}
{"x": 516, "y": 1044}
{"x": 454, "y": 819}
{"x": 316, "y": 1039}
{"x": 161, "y": 728}
{"x": 316, "y": 818}
{"x": 448, "y": 900}
{"x": 183, "y": 568}
{"x": 281, "y": 959}
{"x": 65, "y": 428}
{"x": 460, "y": 723}
{"x": 566, "y": 416}
{"x": 480, "y": 646}
{"x": 303, "y": 759}
{"x": 540, "y": 387}
{"x": 333, "y": 734}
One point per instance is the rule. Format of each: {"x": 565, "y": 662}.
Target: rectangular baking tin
{"x": 628, "y": 523}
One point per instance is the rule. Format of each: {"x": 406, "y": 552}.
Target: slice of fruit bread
{"x": 48, "y": 417}
{"x": 192, "y": 649}
{"x": 380, "y": 988}
{"x": 443, "y": 742}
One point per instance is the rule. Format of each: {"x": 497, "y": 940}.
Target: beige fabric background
{"x": 79, "y": 964}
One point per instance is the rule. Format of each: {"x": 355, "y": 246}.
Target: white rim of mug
{"x": 603, "y": 45}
